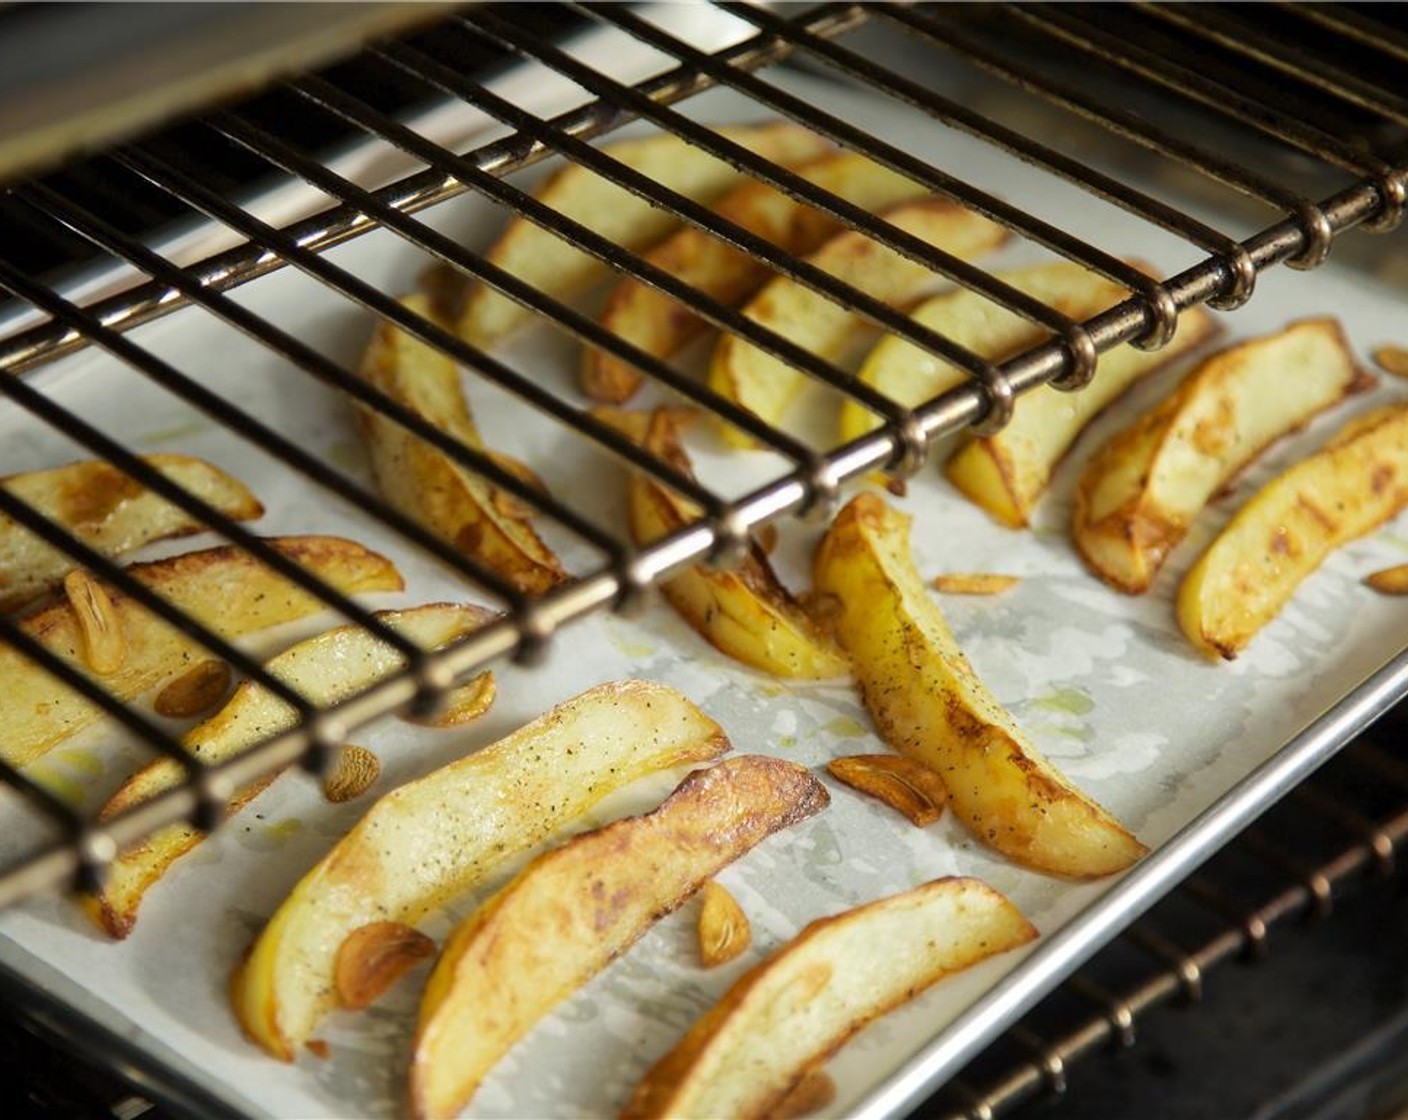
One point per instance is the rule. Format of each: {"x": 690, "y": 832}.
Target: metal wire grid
{"x": 1333, "y": 833}
{"x": 1298, "y": 229}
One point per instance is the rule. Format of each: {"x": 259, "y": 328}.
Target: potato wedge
{"x": 911, "y": 375}
{"x": 107, "y": 511}
{"x": 930, "y": 705}
{"x": 481, "y": 520}
{"x": 553, "y": 266}
{"x": 767, "y": 385}
{"x": 744, "y": 612}
{"x": 1348, "y": 488}
{"x": 1142, "y": 490}
{"x": 660, "y": 326}
{"x": 574, "y": 910}
{"x": 324, "y": 669}
{"x": 224, "y": 589}
{"x": 432, "y": 839}
{"x": 1008, "y": 472}
{"x": 784, "y": 1017}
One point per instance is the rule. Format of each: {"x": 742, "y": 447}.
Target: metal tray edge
{"x": 1140, "y": 889}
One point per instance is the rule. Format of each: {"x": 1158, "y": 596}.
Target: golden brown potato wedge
{"x": 767, "y": 385}
{"x": 107, "y": 511}
{"x": 787, "y": 1015}
{"x": 1144, "y": 488}
{"x": 574, "y": 910}
{"x": 1007, "y": 473}
{"x": 744, "y": 612}
{"x": 224, "y": 589}
{"x": 930, "y": 705}
{"x": 433, "y": 839}
{"x": 660, "y": 326}
{"x": 1348, "y": 488}
{"x": 551, "y": 265}
{"x": 483, "y": 521}
{"x": 324, "y": 670}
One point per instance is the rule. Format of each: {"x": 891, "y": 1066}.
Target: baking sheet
{"x": 1104, "y": 684}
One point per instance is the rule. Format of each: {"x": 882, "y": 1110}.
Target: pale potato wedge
{"x": 910, "y": 375}
{"x": 574, "y": 910}
{"x": 483, "y": 521}
{"x": 553, "y": 266}
{"x": 1348, "y": 488}
{"x": 784, "y": 1017}
{"x": 767, "y": 385}
{"x": 744, "y": 612}
{"x": 1008, "y": 472}
{"x": 1143, "y": 489}
{"x": 107, "y": 511}
{"x": 658, "y": 325}
{"x": 324, "y": 670}
{"x": 433, "y": 839}
{"x": 224, "y": 589}
{"x": 929, "y": 704}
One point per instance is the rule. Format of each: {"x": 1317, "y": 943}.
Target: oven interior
{"x": 1235, "y": 139}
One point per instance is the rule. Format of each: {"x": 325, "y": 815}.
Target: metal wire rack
{"x": 1337, "y": 833}
{"x": 1308, "y": 178}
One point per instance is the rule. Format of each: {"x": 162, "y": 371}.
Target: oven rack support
{"x": 1348, "y": 149}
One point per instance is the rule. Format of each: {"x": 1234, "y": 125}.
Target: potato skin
{"x": 929, "y": 704}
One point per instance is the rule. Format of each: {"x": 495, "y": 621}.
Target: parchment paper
{"x": 1104, "y": 684}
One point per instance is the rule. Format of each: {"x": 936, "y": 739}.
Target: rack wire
{"x": 1307, "y": 178}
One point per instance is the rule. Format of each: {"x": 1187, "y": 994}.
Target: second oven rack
{"x": 1349, "y": 149}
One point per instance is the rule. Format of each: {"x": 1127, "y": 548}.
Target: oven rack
{"x": 1335, "y": 833}
{"x": 1349, "y": 151}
